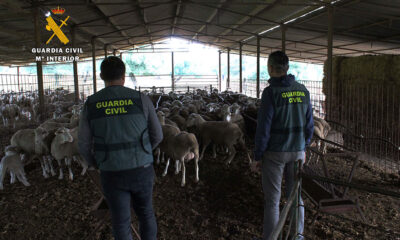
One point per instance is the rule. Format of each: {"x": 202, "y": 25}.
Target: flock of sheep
{"x": 187, "y": 120}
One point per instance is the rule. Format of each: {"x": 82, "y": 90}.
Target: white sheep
{"x": 65, "y": 147}
{"x": 13, "y": 163}
{"x": 24, "y": 140}
{"x": 220, "y": 133}
{"x": 182, "y": 147}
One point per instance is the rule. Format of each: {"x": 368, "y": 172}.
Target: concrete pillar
{"x": 94, "y": 65}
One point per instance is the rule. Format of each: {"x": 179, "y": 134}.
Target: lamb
{"x": 220, "y": 133}
{"x": 65, "y": 146}
{"x": 182, "y": 147}
{"x": 24, "y": 140}
{"x": 13, "y": 162}
{"x": 9, "y": 113}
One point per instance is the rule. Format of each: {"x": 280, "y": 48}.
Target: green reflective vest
{"x": 289, "y": 122}
{"x": 119, "y": 127}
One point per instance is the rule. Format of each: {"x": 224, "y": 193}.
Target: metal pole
{"x": 228, "y": 80}
{"x": 120, "y": 55}
{"x": 219, "y": 72}
{"x": 240, "y": 69}
{"x": 283, "y": 29}
{"x": 329, "y": 60}
{"x": 172, "y": 72}
{"x": 258, "y": 67}
{"x": 75, "y": 65}
{"x": 94, "y": 66}
{"x": 115, "y": 52}
{"x": 105, "y": 51}
{"x": 39, "y": 68}
{"x": 18, "y": 77}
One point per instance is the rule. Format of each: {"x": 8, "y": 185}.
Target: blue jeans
{"x": 274, "y": 166}
{"x": 124, "y": 189}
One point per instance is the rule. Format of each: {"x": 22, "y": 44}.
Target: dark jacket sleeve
{"x": 85, "y": 138}
{"x": 309, "y": 124}
{"x": 264, "y": 121}
{"x": 154, "y": 126}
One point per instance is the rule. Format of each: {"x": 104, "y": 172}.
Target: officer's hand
{"x": 255, "y": 166}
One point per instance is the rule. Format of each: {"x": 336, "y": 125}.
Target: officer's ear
{"x": 123, "y": 79}
{"x": 101, "y": 76}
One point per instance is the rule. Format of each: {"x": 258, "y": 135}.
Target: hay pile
{"x": 365, "y": 94}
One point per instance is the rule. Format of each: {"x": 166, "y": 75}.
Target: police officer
{"x": 118, "y": 130}
{"x": 284, "y": 128}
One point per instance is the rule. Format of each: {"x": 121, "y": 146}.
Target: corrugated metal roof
{"x": 360, "y": 27}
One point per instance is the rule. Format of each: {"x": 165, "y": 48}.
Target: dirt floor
{"x": 226, "y": 204}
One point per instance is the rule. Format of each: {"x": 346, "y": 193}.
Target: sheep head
{"x": 161, "y": 117}
{"x": 194, "y": 120}
{"x": 64, "y": 135}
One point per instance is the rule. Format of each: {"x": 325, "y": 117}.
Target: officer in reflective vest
{"x": 284, "y": 128}
{"x": 118, "y": 131}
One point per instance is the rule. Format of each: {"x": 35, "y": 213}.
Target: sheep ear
{"x": 228, "y": 118}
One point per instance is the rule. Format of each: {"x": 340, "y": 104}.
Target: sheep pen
{"x": 227, "y": 203}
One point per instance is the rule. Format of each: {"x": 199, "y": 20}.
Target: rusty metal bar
{"x": 228, "y": 79}
{"x": 75, "y": 66}
{"x": 283, "y": 29}
{"x": 219, "y": 71}
{"x": 94, "y": 65}
{"x": 329, "y": 59}
{"x": 240, "y": 68}
{"x": 258, "y": 67}
{"x": 39, "y": 68}
{"x": 172, "y": 72}
{"x": 105, "y": 51}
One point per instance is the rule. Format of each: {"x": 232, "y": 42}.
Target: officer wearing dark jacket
{"x": 118, "y": 130}
{"x": 284, "y": 128}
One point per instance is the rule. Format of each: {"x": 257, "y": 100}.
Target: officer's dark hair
{"x": 112, "y": 68}
{"x": 278, "y": 61}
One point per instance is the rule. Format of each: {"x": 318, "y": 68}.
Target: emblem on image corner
{"x": 56, "y": 29}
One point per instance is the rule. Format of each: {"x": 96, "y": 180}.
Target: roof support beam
{"x": 142, "y": 15}
{"x": 94, "y": 65}
{"x": 177, "y": 12}
{"x": 258, "y": 67}
{"x": 210, "y": 18}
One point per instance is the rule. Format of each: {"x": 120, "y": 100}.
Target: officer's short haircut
{"x": 279, "y": 61}
{"x": 112, "y": 68}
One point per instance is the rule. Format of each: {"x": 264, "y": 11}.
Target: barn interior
{"x": 350, "y": 181}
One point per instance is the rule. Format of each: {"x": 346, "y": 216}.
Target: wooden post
{"x": 219, "y": 72}
{"x": 240, "y": 68}
{"x": 228, "y": 79}
{"x": 39, "y": 68}
{"x": 172, "y": 72}
{"x": 94, "y": 65}
{"x": 329, "y": 60}
{"x": 258, "y": 67}
{"x": 283, "y": 29}
{"x": 75, "y": 66}
{"x": 105, "y": 51}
